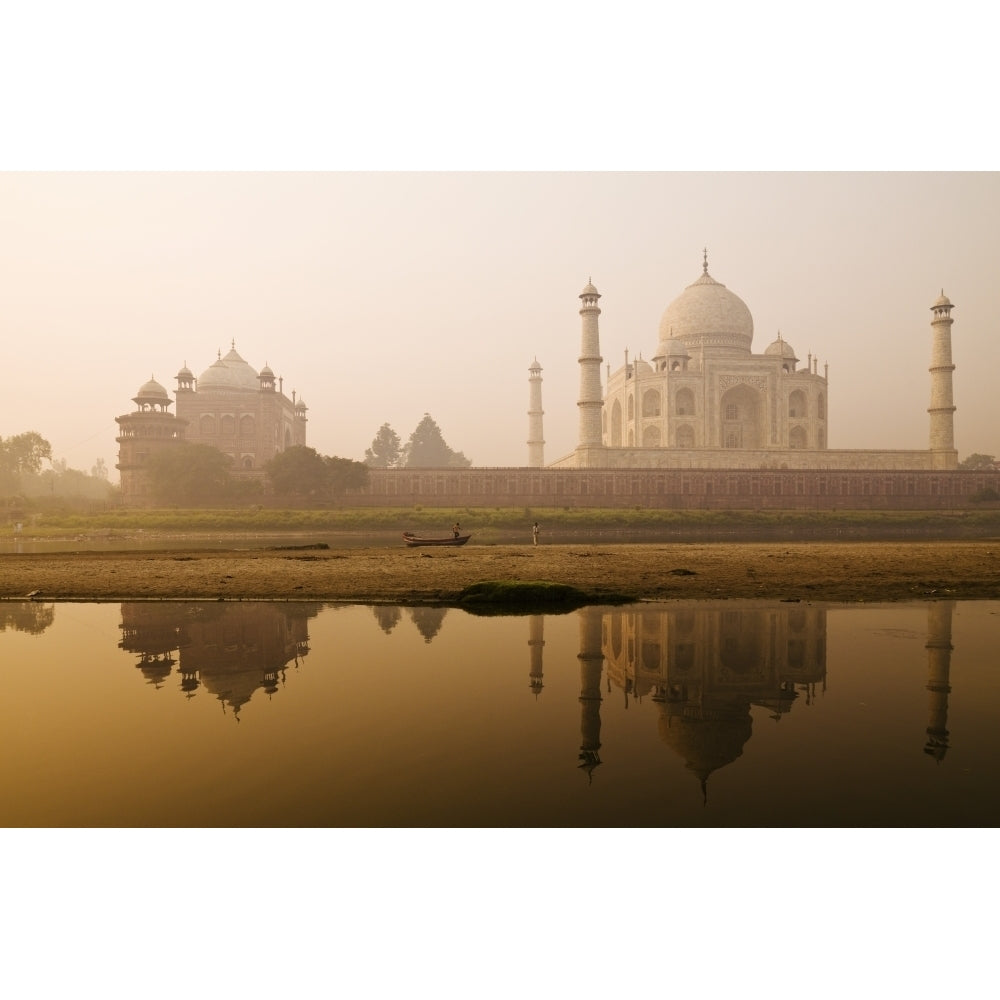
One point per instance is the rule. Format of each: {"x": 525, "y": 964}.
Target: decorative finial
{"x": 218, "y": 354}
{"x": 232, "y": 343}
{"x": 704, "y": 261}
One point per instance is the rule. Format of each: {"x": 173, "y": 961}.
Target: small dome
{"x": 782, "y": 348}
{"x": 301, "y": 404}
{"x": 266, "y": 372}
{"x": 589, "y": 290}
{"x": 942, "y": 301}
{"x": 185, "y": 372}
{"x": 150, "y": 391}
{"x": 707, "y": 312}
{"x": 672, "y": 348}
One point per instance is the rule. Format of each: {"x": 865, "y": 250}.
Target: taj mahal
{"x": 705, "y": 400}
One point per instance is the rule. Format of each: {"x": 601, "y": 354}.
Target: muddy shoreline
{"x": 831, "y": 571}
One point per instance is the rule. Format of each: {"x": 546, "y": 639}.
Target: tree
{"x": 298, "y": 471}
{"x": 302, "y": 471}
{"x": 385, "y": 452}
{"x": 188, "y": 474}
{"x": 345, "y": 474}
{"x": 977, "y": 462}
{"x": 22, "y": 453}
{"x": 99, "y": 470}
{"x": 427, "y": 449}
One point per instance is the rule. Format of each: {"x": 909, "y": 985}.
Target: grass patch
{"x": 488, "y": 522}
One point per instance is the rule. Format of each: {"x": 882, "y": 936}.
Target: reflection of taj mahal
{"x": 706, "y": 667}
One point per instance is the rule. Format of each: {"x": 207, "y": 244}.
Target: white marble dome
{"x": 707, "y": 313}
{"x": 230, "y": 372}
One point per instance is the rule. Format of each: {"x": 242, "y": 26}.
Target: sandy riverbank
{"x": 806, "y": 571}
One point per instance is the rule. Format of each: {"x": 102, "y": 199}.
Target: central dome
{"x": 230, "y": 372}
{"x": 707, "y": 314}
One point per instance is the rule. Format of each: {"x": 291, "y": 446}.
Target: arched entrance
{"x": 740, "y": 416}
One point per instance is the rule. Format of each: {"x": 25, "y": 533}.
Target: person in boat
{"x": 456, "y": 529}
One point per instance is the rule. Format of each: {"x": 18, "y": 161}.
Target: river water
{"x": 727, "y": 714}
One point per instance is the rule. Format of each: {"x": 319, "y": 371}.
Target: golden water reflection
{"x": 422, "y": 715}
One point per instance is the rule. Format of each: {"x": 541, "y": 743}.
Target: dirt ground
{"x": 840, "y": 571}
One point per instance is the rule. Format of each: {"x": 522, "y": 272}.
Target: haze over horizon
{"x": 379, "y": 297}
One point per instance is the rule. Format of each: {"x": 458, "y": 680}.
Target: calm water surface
{"x": 681, "y": 714}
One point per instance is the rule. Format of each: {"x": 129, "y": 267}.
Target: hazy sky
{"x": 381, "y": 296}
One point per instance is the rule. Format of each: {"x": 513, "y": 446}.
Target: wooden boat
{"x": 409, "y": 538}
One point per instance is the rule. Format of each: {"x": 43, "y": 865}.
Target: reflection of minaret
{"x": 535, "y": 643}
{"x": 591, "y": 660}
{"x": 939, "y": 649}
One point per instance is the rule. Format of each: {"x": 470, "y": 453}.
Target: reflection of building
{"x": 428, "y": 620}
{"x": 32, "y": 617}
{"x": 229, "y": 649}
{"x": 232, "y": 407}
{"x": 706, "y": 667}
{"x": 153, "y": 632}
{"x": 536, "y": 644}
{"x": 591, "y": 660}
{"x": 938, "y": 669}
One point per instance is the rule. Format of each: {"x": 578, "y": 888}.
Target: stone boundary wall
{"x": 719, "y": 459}
{"x": 719, "y": 489}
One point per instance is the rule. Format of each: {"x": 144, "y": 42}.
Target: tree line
{"x": 426, "y": 449}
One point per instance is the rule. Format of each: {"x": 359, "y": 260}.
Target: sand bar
{"x": 836, "y": 571}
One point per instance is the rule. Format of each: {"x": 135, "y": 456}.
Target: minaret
{"x": 536, "y": 443}
{"x": 939, "y": 649}
{"x": 942, "y": 408}
{"x": 590, "y": 402}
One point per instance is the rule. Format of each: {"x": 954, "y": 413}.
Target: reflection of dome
{"x": 151, "y": 391}
{"x": 707, "y": 311}
{"x": 707, "y": 744}
{"x": 230, "y": 372}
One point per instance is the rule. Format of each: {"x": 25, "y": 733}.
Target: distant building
{"x": 704, "y": 400}
{"x": 243, "y": 413}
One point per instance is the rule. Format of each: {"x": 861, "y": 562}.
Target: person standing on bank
{"x": 534, "y": 533}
